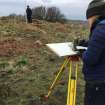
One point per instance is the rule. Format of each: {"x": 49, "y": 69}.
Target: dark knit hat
{"x": 96, "y": 7}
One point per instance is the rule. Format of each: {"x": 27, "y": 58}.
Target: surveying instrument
{"x": 72, "y": 60}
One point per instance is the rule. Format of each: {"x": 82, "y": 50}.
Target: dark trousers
{"x": 94, "y": 93}
{"x": 29, "y": 19}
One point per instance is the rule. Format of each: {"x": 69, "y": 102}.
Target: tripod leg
{"x": 69, "y": 85}
{"x": 71, "y": 99}
{"x": 76, "y": 74}
{"x": 57, "y": 78}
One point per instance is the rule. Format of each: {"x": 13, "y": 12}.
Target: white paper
{"x": 64, "y": 49}
{"x": 81, "y": 48}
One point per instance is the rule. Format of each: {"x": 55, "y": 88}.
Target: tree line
{"x": 52, "y": 14}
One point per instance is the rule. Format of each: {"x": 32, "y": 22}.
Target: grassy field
{"x": 27, "y": 66}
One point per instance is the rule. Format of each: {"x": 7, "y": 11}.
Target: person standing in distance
{"x": 29, "y": 14}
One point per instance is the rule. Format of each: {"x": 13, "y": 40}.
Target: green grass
{"x": 22, "y": 61}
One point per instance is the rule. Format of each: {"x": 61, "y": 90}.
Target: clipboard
{"x": 64, "y": 49}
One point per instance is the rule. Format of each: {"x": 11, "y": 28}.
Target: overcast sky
{"x": 73, "y": 9}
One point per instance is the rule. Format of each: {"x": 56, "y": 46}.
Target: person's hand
{"x": 83, "y": 43}
{"x": 80, "y": 52}
{"x": 78, "y": 42}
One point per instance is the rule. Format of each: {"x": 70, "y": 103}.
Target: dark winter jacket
{"x": 29, "y": 12}
{"x": 94, "y": 56}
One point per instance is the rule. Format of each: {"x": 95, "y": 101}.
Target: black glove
{"x": 80, "y": 52}
{"x": 75, "y": 44}
{"x": 83, "y": 43}
{"x": 78, "y": 42}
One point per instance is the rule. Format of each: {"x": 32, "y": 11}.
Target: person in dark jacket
{"x": 29, "y": 14}
{"x": 94, "y": 56}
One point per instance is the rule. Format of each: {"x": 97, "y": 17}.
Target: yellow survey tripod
{"x": 72, "y": 61}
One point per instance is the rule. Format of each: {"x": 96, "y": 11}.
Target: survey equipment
{"x": 72, "y": 82}
{"x": 72, "y": 60}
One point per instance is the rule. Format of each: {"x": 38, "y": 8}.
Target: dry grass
{"x": 27, "y": 67}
